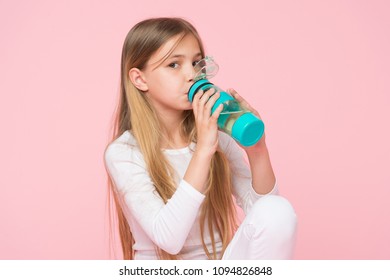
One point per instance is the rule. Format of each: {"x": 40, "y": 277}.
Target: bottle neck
{"x": 196, "y": 87}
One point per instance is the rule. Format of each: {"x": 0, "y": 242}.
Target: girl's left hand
{"x": 259, "y": 145}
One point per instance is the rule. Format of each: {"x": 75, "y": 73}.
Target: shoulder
{"x": 124, "y": 147}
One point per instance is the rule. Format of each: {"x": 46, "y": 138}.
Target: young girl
{"x": 175, "y": 178}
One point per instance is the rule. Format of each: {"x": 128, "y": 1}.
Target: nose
{"x": 190, "y": 74}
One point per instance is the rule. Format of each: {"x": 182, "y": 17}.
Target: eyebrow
{"x": 182, "y": 55}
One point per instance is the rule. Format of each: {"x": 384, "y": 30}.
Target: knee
{"x": 275, "y": 215}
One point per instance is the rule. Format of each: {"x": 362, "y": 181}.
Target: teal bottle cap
{"x": 248, "y": 129}
{"x": 197, "y": 86}
{"x": 204, "y": 85}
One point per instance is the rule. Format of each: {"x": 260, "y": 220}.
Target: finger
{"x": 243, "y": 102}
{"x": 204, "y": 100}
{"x": 210, "y": 103}
{"x": 233, "y": 92}
{"x": 238, "y": 97}
{"x": 207, "y": 94}
{"x": 195, "y": 102}
{"x": 214, "y": 117}
{"x": 201, "y": 102}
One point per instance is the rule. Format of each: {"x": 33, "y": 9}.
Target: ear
{"x": 138, "y": 79}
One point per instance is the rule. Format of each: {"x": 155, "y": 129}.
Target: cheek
{"x": 157, "y": 80}
{"x": 154, "y": 83}
{"x": 162, "y": 81}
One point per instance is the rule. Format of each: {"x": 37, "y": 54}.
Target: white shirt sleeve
{"x": 167, "y": 225}
{"x": 243, "y": 190}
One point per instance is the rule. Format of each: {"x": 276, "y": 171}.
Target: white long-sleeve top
{"x": 174, "y": 226}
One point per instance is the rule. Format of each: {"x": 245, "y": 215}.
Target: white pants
{"x": 267, "y": 232}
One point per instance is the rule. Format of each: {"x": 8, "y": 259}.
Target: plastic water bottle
{"x": 238, "y": 122}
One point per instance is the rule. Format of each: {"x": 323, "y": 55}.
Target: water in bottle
{"x": 234, "y": 119}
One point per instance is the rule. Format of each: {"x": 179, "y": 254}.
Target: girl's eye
{"x": 173, "y": 65}
{"x": 195, "y": 62}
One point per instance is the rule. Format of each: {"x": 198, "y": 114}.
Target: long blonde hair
{"x": 218, "y": 208}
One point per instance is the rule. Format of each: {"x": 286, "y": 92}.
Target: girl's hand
{"x": 259, "y": 146}
{"x": 206, "y": 124}
{"x": 207, "y": 142}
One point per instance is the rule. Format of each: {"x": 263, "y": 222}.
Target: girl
{"x": 174, "y": 177}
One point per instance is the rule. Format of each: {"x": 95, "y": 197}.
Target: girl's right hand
{"x": 206, "y": 123}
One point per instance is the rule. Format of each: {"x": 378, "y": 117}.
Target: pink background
{"x": 318, "y": 72}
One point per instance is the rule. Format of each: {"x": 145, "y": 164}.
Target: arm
{"x": 243, "y": 176}
{"x": 263, "y": 177}
{"x": 207, "y": 131}
{"x": 197, "y": 171}
{"x": 167, "y": 225}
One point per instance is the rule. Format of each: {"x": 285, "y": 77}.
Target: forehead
{"x": 177, "y": 45}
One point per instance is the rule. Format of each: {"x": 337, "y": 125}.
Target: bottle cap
{"x": 201, "y": 84}
{"x": 248, "y": 129}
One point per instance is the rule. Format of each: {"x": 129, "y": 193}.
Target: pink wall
{"x": 318, "y": 72}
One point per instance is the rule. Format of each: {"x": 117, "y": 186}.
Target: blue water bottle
{"x": 238, "y": 122}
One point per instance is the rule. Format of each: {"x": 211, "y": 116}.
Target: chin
{"x": 188, "y": 106}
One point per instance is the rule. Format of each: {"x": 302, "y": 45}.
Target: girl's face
{"x": 168, "y": 82}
